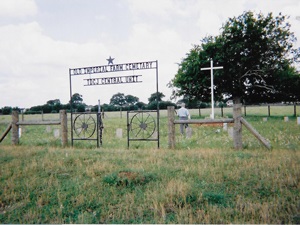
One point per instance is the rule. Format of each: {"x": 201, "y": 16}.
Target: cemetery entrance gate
{"x": 141, "y": 125}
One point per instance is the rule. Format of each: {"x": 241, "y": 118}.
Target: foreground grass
{"x": 72, "y": 185}
{"x": 202, "y": 181}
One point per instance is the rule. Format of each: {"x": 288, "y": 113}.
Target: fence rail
{"x": 237, "y": 121}
{"x": 207, "y": 121}
{"x": 23, "y": 123}
{"x": 257, "y": 110}
{"x": 16, "y": 123}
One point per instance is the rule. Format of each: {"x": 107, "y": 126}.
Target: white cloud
{"x": 161, "y": 9}
{"x": 34, "y": 68}
{"x": 17, "y": 8}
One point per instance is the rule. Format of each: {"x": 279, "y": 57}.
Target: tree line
{"x": 118, "y": 101}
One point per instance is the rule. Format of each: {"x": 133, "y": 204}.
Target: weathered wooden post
{"x": 64, "y": 127}
{"x": 237, "y": 127}
{"x": 222, "y": 113}
{"x": 171, "y": 127}
{"x": 15, "y": 127}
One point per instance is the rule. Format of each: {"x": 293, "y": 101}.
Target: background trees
{"x": 257, "y": 54}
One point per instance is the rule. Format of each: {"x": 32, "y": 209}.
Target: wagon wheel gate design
{"x": 141, "y": 124}
{"x": 85, "y": 125}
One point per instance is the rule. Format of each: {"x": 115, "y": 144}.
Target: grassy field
{"x": 204, "y": 180}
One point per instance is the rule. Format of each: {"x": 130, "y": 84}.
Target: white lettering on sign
{"x": 113, "y": 80}
{"x": 114, "y": 68}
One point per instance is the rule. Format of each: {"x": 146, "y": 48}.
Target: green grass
{"x": 54, "y": 185}
{"x": 203, "y": 180}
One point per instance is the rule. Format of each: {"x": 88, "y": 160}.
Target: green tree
{"x": 53, "y": 102}
{"x": 255, "y": 50}
{"x": 131, "y": 100}
{"x": 118, "y": 99}
{"x": 141, "y": 105}
{"x": 156, "y": 97}
{"x": 76, "y": 99}
{"x": 6, "y": 110}
{"x": 55, "y": 105}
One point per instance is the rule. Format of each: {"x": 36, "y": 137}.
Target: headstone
{"x": 189, "y": 132}
{"x": 56, "y": 133}
{"x": 230, "y": 132}
{"x": 298, "y": 120}
{"x": 48, "y": 129}
{"x": 265, "y": 119}
{"x": 286, "y": 119}
{"x": 154, "y": 135}
{"x": 119, "y": 133}
{"x": 20, "y": 132}
{"x": 225, "y": 126}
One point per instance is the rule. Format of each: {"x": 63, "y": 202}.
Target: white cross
{"x": 211, "y": 68}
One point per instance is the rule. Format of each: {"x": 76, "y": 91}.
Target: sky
{"x": 40, "y": 40}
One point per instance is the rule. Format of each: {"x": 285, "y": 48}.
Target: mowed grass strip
{"x": 74, "y": 185}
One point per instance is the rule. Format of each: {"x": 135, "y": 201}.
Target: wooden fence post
{"x": 237, "y": 127}
{"x": 64, "y": 127}
{"x": 171, "y": 127}
{"x": 222, "y": 113}
{"x": 15, "y": 127}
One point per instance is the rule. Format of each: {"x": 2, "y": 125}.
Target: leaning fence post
{"x": 64, "y": 127}
{"x": 237, "y": 127}
{"x": 15, "y": 127}
{"x": 171, "y": 127}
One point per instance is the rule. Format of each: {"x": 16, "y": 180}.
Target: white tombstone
{"x": 119, "y": 133}
{"x": 225, "y": 126}
{"x": 265, "y": 119}
{"x": 298, "y": 120}
{"x": 20, "y": 132}
{"x": 48, "y": 129}
{"x": 286, "y": 119}
{"x": 189, "y": 132}
{"x": 56, "y": 133}
{"x": 154, "y": 135}
{"x": 230, "y": 132}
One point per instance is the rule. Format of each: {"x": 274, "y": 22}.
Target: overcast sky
{"x": 41, "y": 39}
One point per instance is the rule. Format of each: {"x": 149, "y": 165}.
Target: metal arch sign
{"x": 114, "y": 68}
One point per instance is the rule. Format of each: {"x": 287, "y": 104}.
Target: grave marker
{"x": 225, "y": 126}
{"x": 48, "y": 129}
{"x": 211, "y": 68}
{"x": 119, "y": 133}
{"x": 56, "y": 133}
{"x": 189, "y": 132}
{"x": 230, "y": 132}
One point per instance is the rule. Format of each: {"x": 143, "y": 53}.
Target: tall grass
{"x": 54, "y": 185}
{"x": 203, "y": 180}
